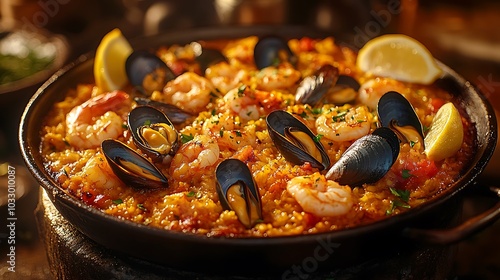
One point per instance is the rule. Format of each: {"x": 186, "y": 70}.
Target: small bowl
{"x": 21, "y": 90}
{"x": 15, "y": 95}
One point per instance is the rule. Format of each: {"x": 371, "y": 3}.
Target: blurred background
{"x": 461, "y": 33}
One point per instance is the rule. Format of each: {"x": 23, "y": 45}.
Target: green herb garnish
{"x": 186, "y": 138}
{"x": 404, "y": 195}
{"x": 340, "y": 116}
{"x": 317, "y": 138}
{"x": 405, "y": 173}
{"x": 241, "y": 90}
{"x": 402, "y": 198}
{"x": 118, "y": 201}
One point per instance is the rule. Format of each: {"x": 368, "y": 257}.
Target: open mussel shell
{"x": 153, "y": 133}
{"x": 367, "y": 160}
{"x": 175, "y": 114}
{"x": 271, "y": 51}
{"x": 295, "y": 140}
{"x": 237, "y": 191}
{"x": 208, "y": 57}
{"x": 326, "y": 85}
{"x": 395, "y": 112}
{"x": 313, "y": 88}
{"x": 344, "y": 91}
{"x": 132, "y": 168}
{"x": 147, "y": 72}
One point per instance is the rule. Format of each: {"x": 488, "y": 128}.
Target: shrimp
{"x": 371, "y": 91}
{"x": 344, "y": 123}
{"x": 240, "y": 101}
{"x": 98, "y": 173}
{"x": 88, "y": 124}
{"x": 319, "y": 196}
{"x": 229, "y": 132}
{"x": 188, "y": 91}
{"x": 281, "y": 77}
{"x": 194, "y": 156}
{"x": 226, "y": 77}
{"x": 241, "y": 50}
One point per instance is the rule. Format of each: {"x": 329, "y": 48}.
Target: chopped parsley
{"x": 214, "y": 112}
{"x": 412, "y": 143}
{"x": 403, "y": 194}
{"x": 238, "y": 133}
{"x": 317, "y": 138}
{"x": 426, "y": 128}
{"x": 141, "y": 206}
{"x": 303, "y": 115}
{"x": 118, "y": 201}
{"x": 317, "y": 111}
{"x": 340, "y": 116}
{"x": 186, "y": 138}
{"x": 124, "y": 126}
{"x": 241, "y": 90}
{"x": 221, "y": 133}
{"x": 147, "y": 122}
{"x": 402, "y": 198}
{"x": 191, "y": 194}
{"x": 405, "y": 173}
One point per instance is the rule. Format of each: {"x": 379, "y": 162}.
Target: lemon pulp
{"x": 399, "y": 57}
{"x": 446, "y": 133}
{"x": 109, "y": 63}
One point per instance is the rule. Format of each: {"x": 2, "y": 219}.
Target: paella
{"x": 253, "y": 137}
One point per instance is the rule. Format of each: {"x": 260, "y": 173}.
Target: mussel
{"x": 327, "y": 85}
{"x": 153, "y": 133}
{"x": 147, "y": 72}
{"x": 207, "y": 57}
{"x": 367, "y": 160}
{"x": 295, "y": 140}
{"x": 271, "y": 51}
{"x": 395, "y": 112}
{"x": 132, "y": 168}
{"x": 238, "y": 192}
{"x": 175, "y": 114}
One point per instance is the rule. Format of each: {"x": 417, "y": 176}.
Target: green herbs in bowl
{"x": 22, "y": 56}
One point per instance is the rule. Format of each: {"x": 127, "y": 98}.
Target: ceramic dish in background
{"x": 40, "y": 51}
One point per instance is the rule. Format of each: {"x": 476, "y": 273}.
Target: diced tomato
{"x": 307, "y": 166}
{"x": 268, "y": 100}
{"x": 311, "y": 220}
{"x": 414, "y": 174}
{"x": 435, "y": 104}
{"x": 178, "y": 67}
{"x": 306, "y": 44}
{"x": 99, "y": 201}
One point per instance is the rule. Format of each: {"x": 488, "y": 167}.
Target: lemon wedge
{"x": 109, "y": 63}
{"x": 446, "y": 133}
{"x": 399, "y": 57}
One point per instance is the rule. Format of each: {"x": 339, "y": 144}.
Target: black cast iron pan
{"x": 250, "y": 255}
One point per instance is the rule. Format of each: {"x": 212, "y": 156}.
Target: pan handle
{"x": 460, "y": 232}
